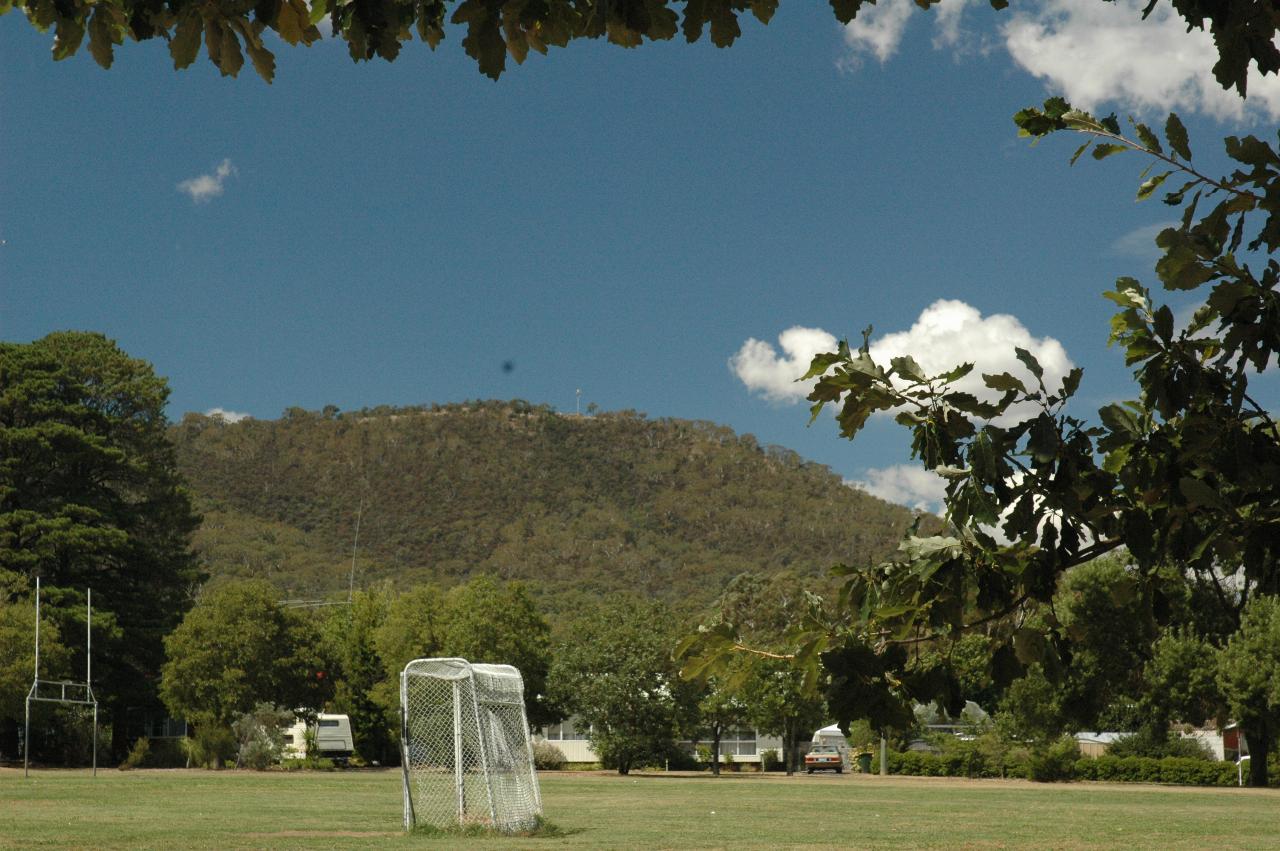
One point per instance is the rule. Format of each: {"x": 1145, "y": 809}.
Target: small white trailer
{"x": 332, "y": 738}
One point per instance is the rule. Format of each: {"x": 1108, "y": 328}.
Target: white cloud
{"x": 946, "y": 334}
{"x": 226, "y": 416}
{"x": 877, "y": 30}
{"x": 948, "y": 31}
{"x": 905, "y": 484}
{"x": 1096, "y": 53}
{"x": 758, "y": 365}
{"x": 203, "y": 187}
{"x": 1141, "y": 242}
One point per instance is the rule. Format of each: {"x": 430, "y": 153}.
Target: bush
{"x": 770, "y": 761}
{"x": 1144, "y": 769}
{"x": 137, "y": 754}
{"x": 166, "y": 753}
{"x": 310, "y": 763}
{"x": 1054, "y": 763}
{"x": 260, "y": 736}
{"x": 211, "y": 746}
{"x": 547, "y": 757}
{"x": 682, "y": 759}
{"x": 1149, "y": 744}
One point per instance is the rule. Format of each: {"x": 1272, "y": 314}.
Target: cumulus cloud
{"x": 877, "y": 30}
{"x": 225, "y": 415}
{"x": 905, "y": 484}
{"x": 946, "y": 334}
{"x": 204, "y": 187}
{"x": 1094, "y": 54}
{"x": 759, "y": 366}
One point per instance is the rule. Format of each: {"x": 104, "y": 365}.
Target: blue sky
{"x": 620, "y": 221}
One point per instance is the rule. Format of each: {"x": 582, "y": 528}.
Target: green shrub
{"x": 137, "y": 754}
{"x": 211, "y": 746}
{"x": 547, "y": 757}
{"x": 260, "y": 736}
{"x": 1149, "y": 744}
{"x": 1053, "y": 763}
{"x": 1182, "y": 771}
{"x": 770, "y": 760}
{"x": 310, "y": 763}
{"x": 166, "y": 753}
{"x": 682, "y": 759}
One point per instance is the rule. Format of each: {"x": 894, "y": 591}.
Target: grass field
{"x": 182, "y": 810}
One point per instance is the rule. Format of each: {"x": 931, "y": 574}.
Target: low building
{"x": 743, "y": 744}
{"x": 1095, "y": 744}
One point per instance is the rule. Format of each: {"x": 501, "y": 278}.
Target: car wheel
{"x": 839, "y": 771}
{"x": 808, "y": 771}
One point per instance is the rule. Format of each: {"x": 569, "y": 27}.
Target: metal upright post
{"x": 410, "y": 817}
{"x": 485, "y": 742}
{"x": 88, "y": 671}
{"x": 35, "y": 682}
{"x": 458, "y": 778}
{"x": 37, "y": 676}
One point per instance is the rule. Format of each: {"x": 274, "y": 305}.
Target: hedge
{"x": 969, "y": 761}
{"x": 1181, "y": 771}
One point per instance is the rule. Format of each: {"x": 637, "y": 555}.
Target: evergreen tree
{"x": 90, "y": 498}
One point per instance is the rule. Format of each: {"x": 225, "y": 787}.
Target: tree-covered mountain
{"x": 576, "y": 506}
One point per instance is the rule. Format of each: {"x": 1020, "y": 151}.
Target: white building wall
{"x": 573, "y": 743}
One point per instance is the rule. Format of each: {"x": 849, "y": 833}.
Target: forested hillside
{"x": 577, "y": 506}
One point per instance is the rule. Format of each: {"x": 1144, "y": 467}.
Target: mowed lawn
{"x": 181, "y": 810}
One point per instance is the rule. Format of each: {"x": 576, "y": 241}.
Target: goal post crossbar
{"x": 62, "y": 687}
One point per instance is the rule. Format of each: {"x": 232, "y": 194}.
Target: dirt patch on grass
{"x": 324, "y": 834}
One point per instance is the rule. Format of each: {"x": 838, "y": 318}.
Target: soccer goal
{"x": 465, "y": 746}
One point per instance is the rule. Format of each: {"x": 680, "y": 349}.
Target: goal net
{"x": 465, "y": 746}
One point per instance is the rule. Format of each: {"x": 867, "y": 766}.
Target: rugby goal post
{"x": 465, "y": 746}
{"x": 62, "y": 691}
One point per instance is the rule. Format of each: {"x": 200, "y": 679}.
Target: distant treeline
{"x": 577, "y": 506}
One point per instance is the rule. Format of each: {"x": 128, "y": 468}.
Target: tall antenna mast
{"x": 351, "y": 581}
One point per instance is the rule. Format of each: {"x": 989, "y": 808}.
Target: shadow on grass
{"x": 542, "y": 830}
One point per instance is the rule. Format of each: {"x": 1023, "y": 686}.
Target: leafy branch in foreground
{"x": 1244, "y": 31}
{"x": 1182, "y": 477}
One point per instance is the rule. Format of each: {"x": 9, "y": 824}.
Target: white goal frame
{"x": 62, "y": 691}
{"x": 465, "y": 747}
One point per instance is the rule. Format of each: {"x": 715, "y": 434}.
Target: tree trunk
{"x": 715, "y": 750}
{"x": 788, "y": 748}
{"x": 1259, "y": 735}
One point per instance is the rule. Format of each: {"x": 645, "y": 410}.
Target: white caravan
{"x": 332, "y": 738}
